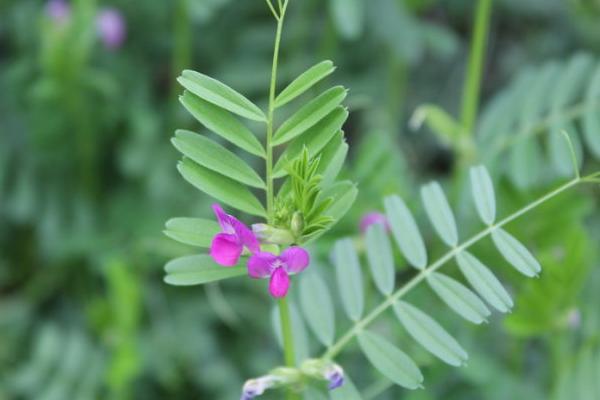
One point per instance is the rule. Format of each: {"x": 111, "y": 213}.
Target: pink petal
{"x": 261, "y": 264}
{"x": 373, "y": 218}
{"x": 223, "y": 219}
{"x": 246, "y": 236}
{"x": 280, "y": 283}
{"x": 296, "y": 259}
{"x": 225, "y": 249}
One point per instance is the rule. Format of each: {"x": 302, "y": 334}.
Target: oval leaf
{"x": 220, "y": 187}
{"x": 381, "y": 259}
{"x": 220, "y": 95}
{"x": 304, "y": 82}
{"x": 515, "y": 253}
{"x": 459, "y": 298}
{"x": 216, "y": 157}
{"x": 309, "y": 114}
{"x": 406, "y": 232}
{"x": 430, "y": 334}
{"x": 343, "y": 193}
{"x": 483, "y": 194}
{"x": 348, "y": 17}
{"x": 484, "y": 281}
{"x": 199, "y": 269}
{"x": 349, "y": 278}
{"x": 390, "y": 360}
{"x": 193, "y": 231}
{"x": 222, "y": 123}
{"x": 439, "y": 213}
{"x": 314, "y": 139}
{"x": 332, "y": 159}
{"x": 317, "y": 307}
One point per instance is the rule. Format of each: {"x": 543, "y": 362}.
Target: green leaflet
{"x": 343, "y": 193}
{"x": 515, "y": 253}
{"x": 193, "y": 231}
{"x": 220, "y": 187}
{"x": 483, "y": 193}
{"x": 591, "y": 119}
{"x": 314, "y": 139}
{"x": 215, "y": 157}
{"x": 317, "y": 306}
{"x": 406, "y": 231}
{"x": 381, "y": 258}
{"x": 430, "y": 334}
{"x": 349, "y": 278}
{"x": 347, "y": 391}
{"x": 484, "y": 282}
{"x": 390, "y": 360}
{"x": 332, "y": 159}
{"x": 222, "y": 123}
{"x": 199, "y": 269}
{"x": 309, "y": 114}
{"x": 220, "y": 95}
{"x": 439, "y": 213}
{"x": 525, "y": 162}
{"x": 459, "y": 298}
{"x": 300, "y": 335}
{"x": 442, "y": 124}
{"x": 304, "y": 82}
{"x": 348, "y": 17}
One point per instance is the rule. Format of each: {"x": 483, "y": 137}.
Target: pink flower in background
{"x": 373, "y": 218}
{"x": 111, "y": 28}
{"x": 293, "y": 260}
{"x": 227, "y": 246}
{"x": 58, "y": 10}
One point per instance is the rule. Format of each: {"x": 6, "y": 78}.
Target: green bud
{"x": 269, "y": 234}
{"x": 297, "y": 224}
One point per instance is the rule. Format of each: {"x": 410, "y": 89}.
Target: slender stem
{"x": 390, "y": 300}
{"x": 270, "y": 114}
{"x": 472, "y": 83}
{"x": 286, "y": 331}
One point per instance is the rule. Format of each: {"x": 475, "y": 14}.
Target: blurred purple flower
{"x": 227, "y": 246}
{"x": 373, "y": 218}
{"x": 335, "y": 375}
{"x": 111, "y": 27}
{"x": 293, "y": 260}
{"x": 255, "y": 387}
{"x": 58, "y": 10}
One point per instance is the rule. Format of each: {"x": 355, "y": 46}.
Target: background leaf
{"x": 381, "y": 259}
{"x": 405, "y": 231}
{"x": 483, "y": 194}
{"x": 317, "y": 307}
{"x": 515, "y": 253}
{"x": 349, "y": 278}
{"x": 390, "y": 360}
{"x": 193, "y": 231}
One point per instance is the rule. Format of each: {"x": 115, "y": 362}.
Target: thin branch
{"x": 394, "y": 297}
{"x": 572, "y": 151}
{"x": 272, "y": 9}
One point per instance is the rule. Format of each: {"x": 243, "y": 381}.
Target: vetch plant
{"x": 296, "y": 198}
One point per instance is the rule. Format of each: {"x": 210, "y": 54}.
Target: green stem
{"x": 472, "y": 83}
{"x": 270, "y": 114}
{"x": 394, "y": 297}
{"x": 286, "y": 332}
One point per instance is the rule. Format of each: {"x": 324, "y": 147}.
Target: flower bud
{"x": 321, "y": 369}
{"x": 297, "y": 224}
{"x": 268, "y": 234}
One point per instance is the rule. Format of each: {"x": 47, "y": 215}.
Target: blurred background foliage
{"x": 87, "y": 179}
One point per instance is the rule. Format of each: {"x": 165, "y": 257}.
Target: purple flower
{"x": 373, "y": 218}
{"x": 279, "y": 268}
{"x": 335, "y": 375}
{"x": 111, "y": 27}
{"x": 255, "y": 387}
{"x": 58, "y": 10}
{"x": 227, "y": 246}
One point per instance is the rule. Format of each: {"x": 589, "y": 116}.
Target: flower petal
{"x": 295, "y": 258}
{"x": 226, "y": 249}
{"x": 280, "y": 283}
{"x": 223, "y": 219}
{"x": 261, "y": 264}
{"x": 246, "y": 236}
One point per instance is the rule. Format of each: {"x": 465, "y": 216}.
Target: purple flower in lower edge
{"x": 279, "y": 268}
{"x": 335, "y": 375}
{"x": 227, "y": 246}
{"x": 58, "y": 10}
{"x": 373, "y": 218}
{"x": 111, "y": 28}
{"x": 255, "y": 387}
